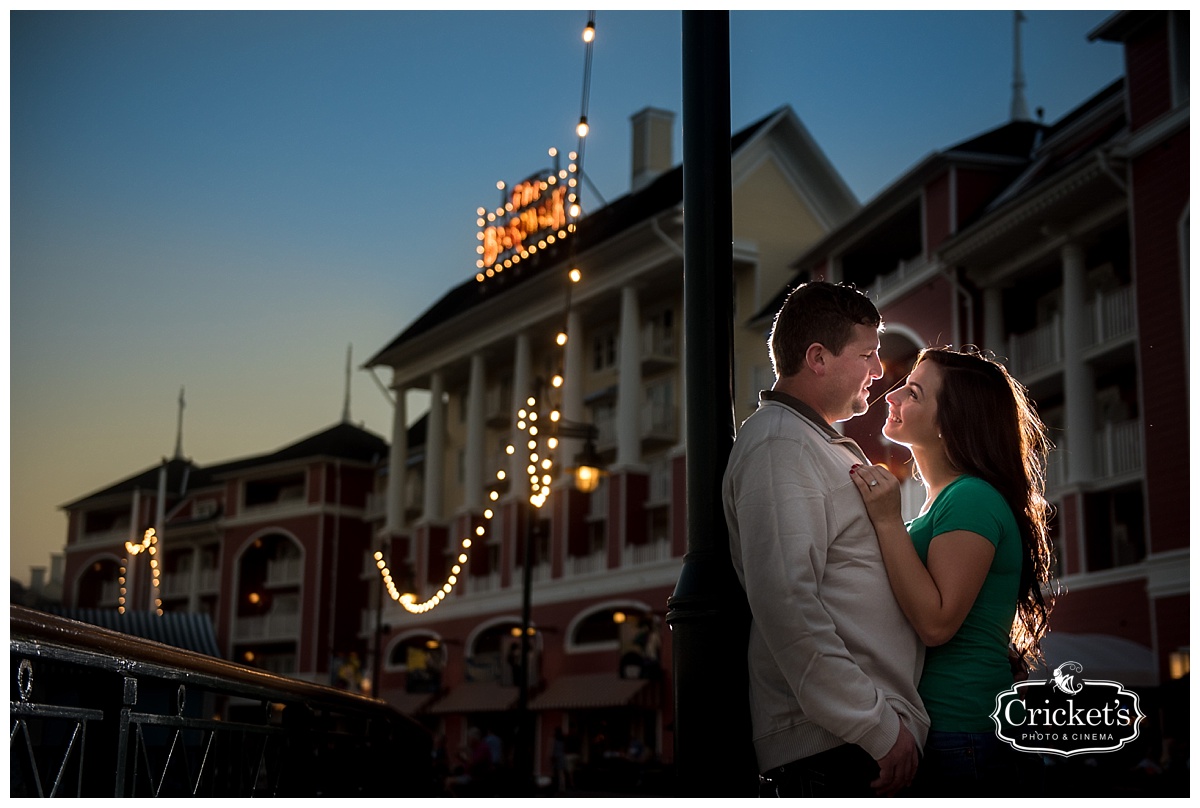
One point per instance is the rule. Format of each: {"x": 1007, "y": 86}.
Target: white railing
{"x": 539, "y": 572}
{"x": 1056, "y": 468}
{"x": 588, "y": 564}
{"x": 606, "y": 428}
{"x": 497, "y": 404}
{"x": 178, "y": 583}
{"x": 903, "y": 271}
{"x": 656, "y": 342}
{"x": 1035, "y": 349}
{"x": 376, "y": 506}
{"x": 647, "y": 553}
{"x": 598, "y": 501}
{"x": 284, "y": 571}
{"x": 484, "y": 583}
{"x": 1111, "y": 315}
{"x": 109, "y": 590}
{"x": 1118, "y": 448}
{"x": 269, "y": 626}
{"x": 209, "y": 580}
{"x": 660, "y": 481}
{"x": 658, "y": 420}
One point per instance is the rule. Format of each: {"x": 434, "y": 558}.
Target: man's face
{"x": 849, "y": 375}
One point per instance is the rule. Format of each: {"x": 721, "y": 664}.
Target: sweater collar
{"x": 802, "y": 408}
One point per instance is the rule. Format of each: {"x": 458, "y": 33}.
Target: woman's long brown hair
{"x": 991, "y": 430}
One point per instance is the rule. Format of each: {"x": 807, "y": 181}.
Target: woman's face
{"x": 912, "y": 409}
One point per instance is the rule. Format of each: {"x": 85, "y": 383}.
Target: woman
{"x": 968, "y": 571}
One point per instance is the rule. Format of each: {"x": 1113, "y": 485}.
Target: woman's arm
{"x": 936, "y": 599}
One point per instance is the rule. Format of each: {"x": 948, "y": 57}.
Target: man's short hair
{"x": 817, "y": 311}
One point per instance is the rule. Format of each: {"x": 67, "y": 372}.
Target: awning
{"x": 408, "y": 703}
{"x": 191, "y": 631}
{"x": 477, "y": 697}
{"x": 1103, "y": 656}
{"x": 590, "y": 690}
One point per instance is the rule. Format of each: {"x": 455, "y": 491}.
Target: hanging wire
{"x": 539, "y": 485}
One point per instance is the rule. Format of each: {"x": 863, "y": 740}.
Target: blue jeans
{"x": 961, "y": 764}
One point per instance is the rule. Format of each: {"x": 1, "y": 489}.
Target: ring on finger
{"x": 873, "y": 483}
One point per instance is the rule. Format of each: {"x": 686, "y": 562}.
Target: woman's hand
{"x": 880, "y": 492}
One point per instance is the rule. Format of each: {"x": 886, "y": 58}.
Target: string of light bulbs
{"x": 540, "y": 441}
{"x": 149, "y": 546}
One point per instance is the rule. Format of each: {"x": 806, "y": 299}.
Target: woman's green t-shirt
{"x": 963, "y": 677}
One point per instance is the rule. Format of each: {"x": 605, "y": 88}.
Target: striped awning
{"x": 593, "y": 690}
{"x": 187, "y": 630}
{"x": 477, "y": 697}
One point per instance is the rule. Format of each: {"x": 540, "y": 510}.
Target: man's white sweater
{"x": 832, "y": 658}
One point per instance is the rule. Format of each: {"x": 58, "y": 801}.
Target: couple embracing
{"x": 877, "y": 647}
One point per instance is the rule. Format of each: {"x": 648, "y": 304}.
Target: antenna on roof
{"x": 1020, "y": 110}
{"x": 179, "y": 429}
{"x": 346, "y": 405}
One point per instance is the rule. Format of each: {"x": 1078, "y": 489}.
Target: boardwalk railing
{"x": 98, "y": 713}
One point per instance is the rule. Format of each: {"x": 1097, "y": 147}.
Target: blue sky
{"x": 226, "y": 201}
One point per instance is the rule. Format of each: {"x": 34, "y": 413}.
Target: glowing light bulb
{"x": 561, "y": 339}
{"x": 589, "y": 32}
{"x": 582, "y": 128}
{"x": 575, "y": 275}
{"x": 575, "y": 209}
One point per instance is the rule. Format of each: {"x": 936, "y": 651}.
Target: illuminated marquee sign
{"x": 536, "y": 213}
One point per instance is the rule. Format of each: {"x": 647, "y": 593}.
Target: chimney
{"x": 37, "y": 580}
{"x": 653, "y": 135}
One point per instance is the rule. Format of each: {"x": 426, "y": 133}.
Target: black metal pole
{"x": 707, "y": 613}
{"x": 376, "y": 683}
{"x": 524, "y": 746}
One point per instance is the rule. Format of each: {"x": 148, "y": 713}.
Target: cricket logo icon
{"x": 1064, "y": 678}
{"x": 1067, "y": 714}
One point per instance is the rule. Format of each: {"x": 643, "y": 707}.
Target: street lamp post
{"x": 708, "y": 609}
{"x": 588, "y": 470}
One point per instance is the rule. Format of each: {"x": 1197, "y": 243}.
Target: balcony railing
{"x": 1111, "y": 316}
{"x": 904, "y": 270}
{"x": 588, "y": 564}
{"x": 375, "y": 507}
{"x": 284, "y": 571}
{"x": 1036, "y": 349}
{"x": 484, "y": 583}
{"x": 647, "y": 553}
{"x": 1118, "y": 449}
{"x": 267, "y": 627}
{"x": 97, "y": 713}
{"x": 178, "y": 584}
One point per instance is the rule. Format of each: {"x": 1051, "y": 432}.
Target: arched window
{"x": 423, "y": 657}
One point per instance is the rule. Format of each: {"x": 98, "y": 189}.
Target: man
{"x": 833, "y": 662}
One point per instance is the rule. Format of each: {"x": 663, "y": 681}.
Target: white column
{"x": 572, "y": 392}
{"x": 1077, "y": 373}
{"x": 993, "y": 322}
{"x": 473, "y": 460}
{"x": 435, "y": 449}
{"x": 629, "y": 385}
{"x": 397, "y": 463}
{"x": 520, "y": 391}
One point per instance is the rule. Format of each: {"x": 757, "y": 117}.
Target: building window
{"x": 275, "y": 490}
{"x": 1114, "y": 528}
{"x": 659, "y": 334}
{"x": 604, "y": 350}
{"x": 422, "y": 657}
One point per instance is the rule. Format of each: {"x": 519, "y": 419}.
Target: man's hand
{"x": 898, "y": 767}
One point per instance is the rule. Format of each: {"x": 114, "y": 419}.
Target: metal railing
{"x": 98, "y": 713}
